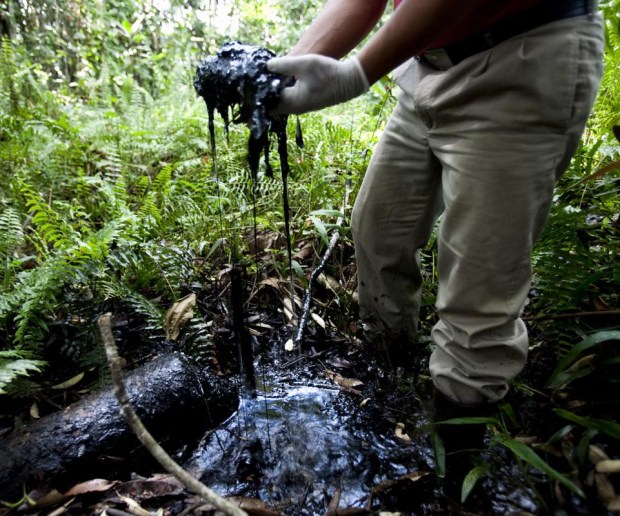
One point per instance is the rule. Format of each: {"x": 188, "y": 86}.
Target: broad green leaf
{"x": 559, "y": 377}
{"x": 321, "y": 230}
{"x": 469, "y": 421}
{"x": 524, "y": 452}
{"x": 127, "y": 27}
{"x": 470, "y": 481}
{"x": 326, "y": 213}
{"x": 610, "y": 428}
{"x": 440, "y": 453}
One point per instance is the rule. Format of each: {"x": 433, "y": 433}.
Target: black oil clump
{"x": 237, "y": 79}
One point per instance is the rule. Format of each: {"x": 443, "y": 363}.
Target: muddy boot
{"x": 460, "y": 437}
{"x": 462, "y": 442}
{"x": 389, "y": 349}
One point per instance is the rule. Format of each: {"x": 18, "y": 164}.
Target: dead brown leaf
{"x": 271, "y": 282}
{"x": 289, "y": 309}
{"x": 338, "y": 363}
{"x": 413, "y": 476}
{"x": 96, "y": 485}
{"x": 596, "y": 454}
{"x": 349, "y": 511}
{"x": 252, "y": 506}
{"x": 134, "y": 507}
{"x": 68, "y": 383}
{"x": 400, "y": 433}
{"x": 147, "y": 489}
{"x": 335, "y": 501}
{"x": 304, "y": 253}
{"x": 42, "y": 500}
{"x": 255, "y": 507}
{"x": 338, "y": 379}
{"x": 178, "y": 315}
{"x": 330, "y": 283}
{"x": 604, "y": 488}
{"x": 608, "y": 466}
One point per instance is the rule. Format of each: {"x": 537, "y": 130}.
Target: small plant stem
{"x": 191, "y": 483}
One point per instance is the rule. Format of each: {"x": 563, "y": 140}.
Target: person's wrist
{"x": 361, "y": 73}
{"x": 356, "y": 77}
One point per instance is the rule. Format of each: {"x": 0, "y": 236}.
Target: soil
{"x": 343, "y": 424}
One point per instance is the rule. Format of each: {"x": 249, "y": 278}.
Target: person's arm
{"x": 323, "y": 81}
{"x": 339, "y": 27}
{"x": 410, "y": 31}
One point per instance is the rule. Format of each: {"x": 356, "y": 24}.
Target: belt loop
{"x": 438, "y": 59}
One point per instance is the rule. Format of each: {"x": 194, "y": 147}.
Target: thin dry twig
{"x": 307, "y": 300}
{"x": 571, "y": 315}
{"x": 191, "y": 483}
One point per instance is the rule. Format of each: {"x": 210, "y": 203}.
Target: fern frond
{"x": 198, "y": 339}
{"x": 11, "y": 231}
{"x": 15, "y": 363}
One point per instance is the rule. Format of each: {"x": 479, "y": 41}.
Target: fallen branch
{"x": 143, "y": 434}
{"x": 571, "y": 315}
{"x": 176, "y": 402}
{"x": 307, "y": 299}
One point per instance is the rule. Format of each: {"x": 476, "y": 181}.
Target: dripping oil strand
{"x": 237, "y": 79}
{"x": 241, "y": 333}
{"x": 237, "y": 76}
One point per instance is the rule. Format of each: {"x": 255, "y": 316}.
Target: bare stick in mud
{"x": 307, "y": 300}
{"x": 143, "y": 435}
{"x": 242, "y": 336}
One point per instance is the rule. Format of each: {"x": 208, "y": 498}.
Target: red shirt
{"x": 486, "y": 14}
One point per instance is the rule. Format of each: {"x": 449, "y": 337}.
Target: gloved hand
{"x": 321, "y": 82}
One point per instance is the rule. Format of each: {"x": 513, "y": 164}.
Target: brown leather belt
{"x": 545, "y": 11}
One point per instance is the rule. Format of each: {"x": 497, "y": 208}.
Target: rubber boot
{"x": 460, "y": 437}
{"x": 462, "y": 443}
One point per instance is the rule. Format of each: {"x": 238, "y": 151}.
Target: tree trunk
{"x": 176, "y": 401}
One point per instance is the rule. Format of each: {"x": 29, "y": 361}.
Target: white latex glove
{"x": 321, "y": 82}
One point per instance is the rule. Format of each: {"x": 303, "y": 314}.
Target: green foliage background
{"x": 109, "y": 198}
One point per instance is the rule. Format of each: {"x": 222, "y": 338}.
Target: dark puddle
{"x": 295, "y": 445}
{"x": 300, "y": 441}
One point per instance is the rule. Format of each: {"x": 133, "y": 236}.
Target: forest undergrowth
{"x": 111, "y": 201}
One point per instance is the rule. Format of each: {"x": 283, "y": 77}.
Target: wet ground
{"x": 296, "y": 445}
{"x": 345, "y": 426}
{"x": 337, "y": 429}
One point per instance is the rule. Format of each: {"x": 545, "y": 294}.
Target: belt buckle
{"x": 438, "y": 58}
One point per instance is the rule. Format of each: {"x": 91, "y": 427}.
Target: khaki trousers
{"x": 483, "y": 144}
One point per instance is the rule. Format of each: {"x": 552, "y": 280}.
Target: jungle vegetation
{"x": 109, "y": 200}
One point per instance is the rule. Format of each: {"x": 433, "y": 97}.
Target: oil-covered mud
{"x": 303, "y": 442}
{"x": 173, "y": 398}
{"x": 295, "y": 446}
